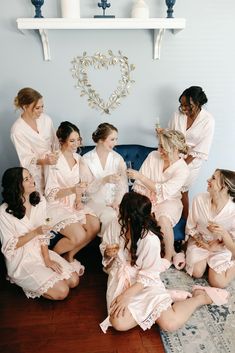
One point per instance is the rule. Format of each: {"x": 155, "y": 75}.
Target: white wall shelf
{"x": 159, "y": 25}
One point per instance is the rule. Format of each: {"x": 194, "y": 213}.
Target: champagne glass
{"x": 157, "y": 124}
{"x": 56, "y": 153}
{"x": 84, "y": 195}
{"x": 129, "y": 166}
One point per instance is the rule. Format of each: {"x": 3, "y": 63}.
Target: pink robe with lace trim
{"x": 197, "y": 223}
{"x": 147, "y": 305}
{"x": 25, "y": 265}
{"x": 198, "y": 137}
{"x": 31, "y": 146}
{"x": 166, "y": 200}
{"x": 103, "y": 195}
{"x": 59, "y": 177}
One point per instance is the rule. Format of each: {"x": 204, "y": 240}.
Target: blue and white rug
{"x": 211, "y": 329}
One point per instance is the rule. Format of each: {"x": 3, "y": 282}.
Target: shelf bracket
{"x": 45, "y": 44}
{"x": 158, "y": 35}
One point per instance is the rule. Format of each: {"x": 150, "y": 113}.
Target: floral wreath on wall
{"x": 99, "y": 61}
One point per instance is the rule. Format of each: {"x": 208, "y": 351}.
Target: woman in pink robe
{"x": 135, "y": 292}
{"x": 33, "y": 136}
{"x": 161, "y": 178}
{"x": 197, "y": 125}
{"x": 106, "y": 175}
{"x": 64, "y": 194}
{"x": 211, "y": 231}
{"x": 24, "y": 238}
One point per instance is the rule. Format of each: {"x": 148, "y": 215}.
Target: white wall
{"x": 202, "y": 54}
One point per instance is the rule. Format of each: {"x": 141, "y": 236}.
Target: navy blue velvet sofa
{"x": 137, "y": 154}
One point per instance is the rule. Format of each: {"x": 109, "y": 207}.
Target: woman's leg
{"x": 59, "y": 291}
{"x": 74, "y": 237}
{"x": 185, "y": 202}
{"x": 177, "y": 315}
{"x": 73, "y": 281}
{"x": 168, "y": 237}
{"x": 221, "y": 280}
{"x": 123, "y": 323}
{"x": 92, "y": 226}
{"x": 199, "y": 269}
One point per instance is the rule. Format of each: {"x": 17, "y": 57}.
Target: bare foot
{"x": 202, "y": 296}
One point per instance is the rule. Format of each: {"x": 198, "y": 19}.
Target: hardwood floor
{"x": 70, "y": 326}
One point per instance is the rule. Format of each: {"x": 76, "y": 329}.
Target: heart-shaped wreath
{"x": 99, "y": 61}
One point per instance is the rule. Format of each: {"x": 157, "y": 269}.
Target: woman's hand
{"x": 42, "y": 229}
{"x": 80, "y": 188}
{"x": 119, "y": 305}
{"x": 55, "y": 266}
{"x": 133, "y": 174}
{"x": 112, "y": 179}
{"x": 200, "y": 242}
{"x": 51, "y": 159}
{"x": 217, "y": 230}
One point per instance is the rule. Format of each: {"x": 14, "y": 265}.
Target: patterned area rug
{"x": 211, "y": 329}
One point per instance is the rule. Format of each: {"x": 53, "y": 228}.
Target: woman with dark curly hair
{"x": 197, "y": 125}
{"x": 24, "y": 238}
{"x": 135, "y": 293}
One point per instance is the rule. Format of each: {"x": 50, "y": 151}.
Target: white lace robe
{"x": 197, "y": 223}
{"x": 102, "y": 196}
{"x": 25, "y": 265}
{"x": 147, "y": 305}
{"x": 31, "y": 146}
{"x": 166, "y": 200}
{"x": 198, "y": 137}
{"x": 59, "y": 177}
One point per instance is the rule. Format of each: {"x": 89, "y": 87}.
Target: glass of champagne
{"x": 129, "y": 166}
{"x": 84, "y": 194}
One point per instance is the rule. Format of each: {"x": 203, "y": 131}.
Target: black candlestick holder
{"x": 38, "y": 4}
{"x": 104, "y": 4}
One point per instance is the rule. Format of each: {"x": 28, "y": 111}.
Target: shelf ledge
{"x": 159, "y": 25}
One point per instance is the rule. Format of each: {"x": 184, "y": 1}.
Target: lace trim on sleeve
{"x": 45, "y": 238}
{"x": 199, "y": 155}
{"x": 52, "y": 194}
{"x": 140, "y": 189}
{"x": 159, "y": 192}
{"x": 190, "y": 233}
{"x": 11, "y": 248}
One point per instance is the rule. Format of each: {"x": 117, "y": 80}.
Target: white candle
{"x": 70, "y": 8}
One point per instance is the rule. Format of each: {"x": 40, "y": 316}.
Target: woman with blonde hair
{"x": 33, "y": 135}
{"x": 161, "y": 178}
{"x": 211, "y": 231}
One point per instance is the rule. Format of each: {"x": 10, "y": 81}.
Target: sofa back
{"x": 134, "y": 153}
